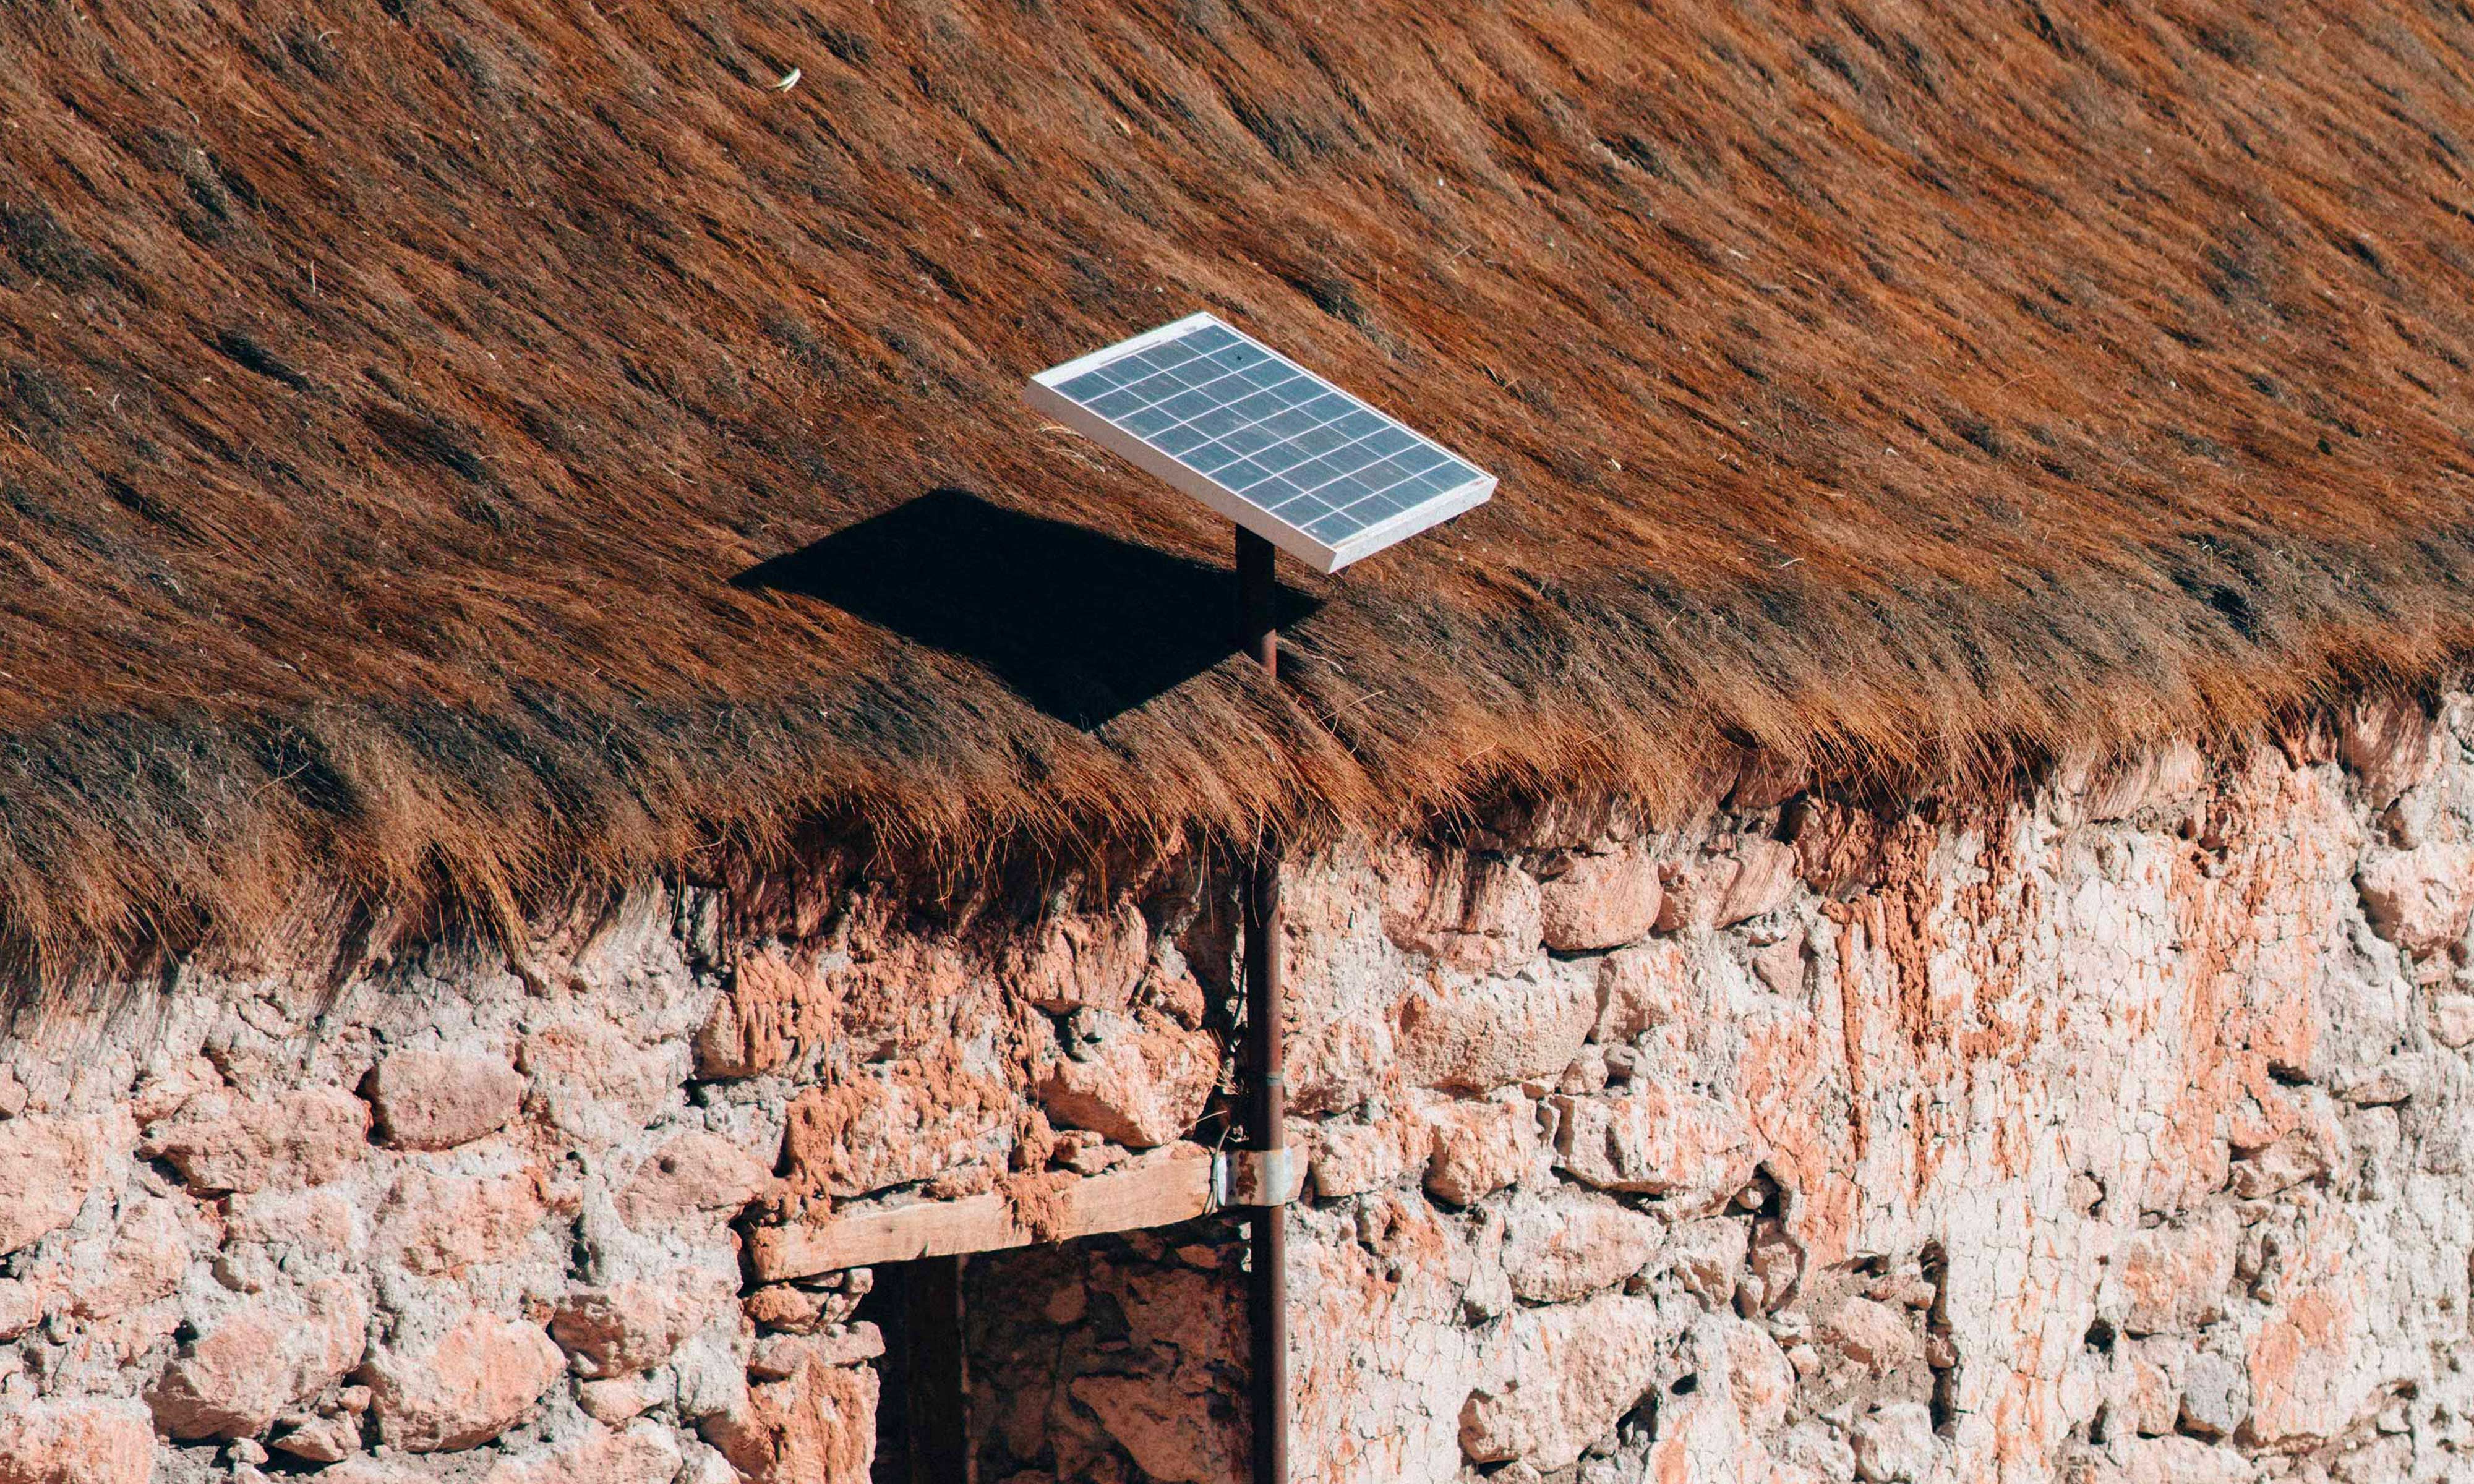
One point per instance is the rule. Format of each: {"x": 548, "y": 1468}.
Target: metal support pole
{"x": 1267, "y": 1293}
{"x": 1258, "y": 631}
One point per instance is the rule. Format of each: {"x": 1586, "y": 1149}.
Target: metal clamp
{"x": 1257, "y": 1177}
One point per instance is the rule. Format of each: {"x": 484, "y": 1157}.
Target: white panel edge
{"x": 1409, "y": 523}
{"x": 1066, "y": 372}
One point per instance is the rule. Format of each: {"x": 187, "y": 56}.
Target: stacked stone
{"x": 2116, "y": 1134}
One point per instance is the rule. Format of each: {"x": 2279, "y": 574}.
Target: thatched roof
{"x": 400, "y": 402}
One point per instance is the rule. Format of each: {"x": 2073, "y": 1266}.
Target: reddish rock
{"x": 320, "y": 1440}
{"x": 630, "y": 1327}
{"x": 1721, "y": 1428}
{"x": 432, "y": 1099}
{"x": 1171, "y": 1440}
{"x": 167, "y": 1082}
{"x": 139, "y": 1261}
{"x": 2299, "y": 1382}
{"x": 1599, "y": 901}
{"x": 795, "y": 1310}
{"x": 75, "y": 1441}
{"x": 1780, "y": 966}
{"x": 905, "y": 1123}
{"x": 772, "y": 1008}
{"x": 1481, "y": 1148}
{"x": 1075, "y": 961}
{"x": 613, "y": 1402}
{"x": 1569, "y": 1372}
{"x": 1179, "y": 998}
{"x": 1556, "y": 1251}
{"x": 818, "y": 1427}
{"x": 847, "y": 1345}
{"x": 249, "y": 1367}
{"x": 1749, "y": 877}
{"x": 1695, "y": 893}
{"x": 640, "y": 1456}
{"x": 1761, "y": 885}
{"x": 449, "y": 1223}
{"x": 1351, "y": 1158}
{"x": 1707, "y": 1255}
{"x": 2175, "y": 1278}
{"x": 2151, "y": 1384}
{"x": 727, "y": 1046}
{"x": 220, "y": 1141}
{"x": 129, "y": 1338}
{"x": 2296, "y": 1157}
{"x": 691, "y": 1176}
{"x": 592, "y": 1082}
{"x": 1471, "y": 914}
{"x": 1337, "y": 1064}
{"x": 1773, "y": 1269}
{"x": 1642, "y": 988}
{"x": 1656, "y": 1140}
{"x": 1477, "y": 1034}
{"x": 779, "y": 1356}
{"x": 48, "y": 1166}
{"x": 2452, "y": 1021}
{"x": 1085, "y": 1152}
{"x": 21, "y": 1307}
{"x": 322, "y": 1217}
{"x": 1877, "y": 1337}
{"x": 1142, "y": 1087}
{"x": 2419, "y": 900}
{"x": 477, "y": 1380}
{"x": 2392, "y": 744}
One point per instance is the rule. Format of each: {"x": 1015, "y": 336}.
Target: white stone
{"x": 1474, "y": 1034}
{"x": 1570, "y": 1371}
{"x": 1895, "y": 1442}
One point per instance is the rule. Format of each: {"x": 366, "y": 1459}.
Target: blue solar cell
{"x": 1271, "y": 433}
{"x": 1209, "y": 338}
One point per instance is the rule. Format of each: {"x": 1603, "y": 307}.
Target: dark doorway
{"x": 922, "y": 1418}
{"x": 1076, "y": 622}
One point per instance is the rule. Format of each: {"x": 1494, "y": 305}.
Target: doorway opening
{"x": 924, "y": 1376}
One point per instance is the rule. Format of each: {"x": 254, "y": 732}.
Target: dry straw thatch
{"x": 395, "y": 395}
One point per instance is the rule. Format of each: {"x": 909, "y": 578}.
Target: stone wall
{"x": 2114, "y": 1134}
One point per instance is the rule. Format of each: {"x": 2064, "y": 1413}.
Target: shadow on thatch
{"x": 1077, "y": 623}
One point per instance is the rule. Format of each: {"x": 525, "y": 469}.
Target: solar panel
{"x": 1261, "y": 440}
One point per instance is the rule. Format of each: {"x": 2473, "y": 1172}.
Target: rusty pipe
{"x": 1267, "y": 1293}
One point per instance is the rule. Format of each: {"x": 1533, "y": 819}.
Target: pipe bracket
{"x": 1257, "y": 1177}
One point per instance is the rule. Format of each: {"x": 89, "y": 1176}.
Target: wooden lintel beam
{"x": 1157, "y": 1193}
